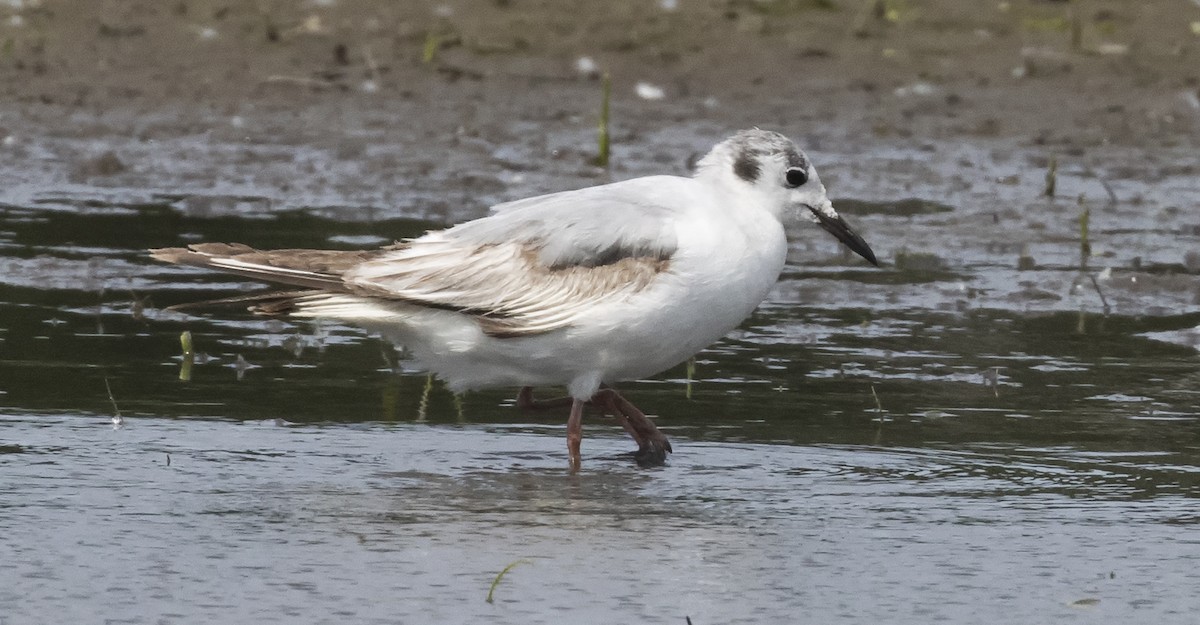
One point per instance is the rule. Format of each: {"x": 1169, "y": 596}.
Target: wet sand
{"x": 437, "y": 109}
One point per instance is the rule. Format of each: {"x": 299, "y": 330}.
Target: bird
{"x": 581, "y": 289}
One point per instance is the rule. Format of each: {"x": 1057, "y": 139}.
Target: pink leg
{"x": 575, "y": 434}
{"x": 653, "y": 445}
{"x": 526, "y": 402}
{"x": 604, "y": 401}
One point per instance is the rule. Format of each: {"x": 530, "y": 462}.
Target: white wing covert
{"x": 534, "y": 265}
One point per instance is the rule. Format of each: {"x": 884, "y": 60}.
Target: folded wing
{"x": 533, "y": 266}
{"x": 537, "y": 264}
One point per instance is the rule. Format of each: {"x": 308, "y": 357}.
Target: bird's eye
{"x": 796, "y": 177}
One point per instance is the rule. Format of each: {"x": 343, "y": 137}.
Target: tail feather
{"x": 272, "y": 304}
{"x": 315, "y": 269}
{"x": 317, "y": 272}
{"x": 341, "y": 306}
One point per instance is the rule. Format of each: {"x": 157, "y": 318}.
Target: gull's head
{"x": 766, "y": 170}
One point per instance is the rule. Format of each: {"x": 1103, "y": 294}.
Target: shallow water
{"x": 946, "y": 439}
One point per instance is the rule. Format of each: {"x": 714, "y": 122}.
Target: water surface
{"x": 948, "y": 439}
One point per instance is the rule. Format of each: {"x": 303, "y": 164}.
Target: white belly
{"x": 713, "y": 283}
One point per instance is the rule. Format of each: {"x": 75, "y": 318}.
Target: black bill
{"x": 840, "y": 229}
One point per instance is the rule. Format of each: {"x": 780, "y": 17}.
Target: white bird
{"x": 581, "y": 289}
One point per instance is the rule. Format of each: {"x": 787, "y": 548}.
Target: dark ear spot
{"x": 746, "y": 166}
{"x": 795, "y": 160}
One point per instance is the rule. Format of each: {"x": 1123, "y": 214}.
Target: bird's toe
{"x": 653, "y": 453}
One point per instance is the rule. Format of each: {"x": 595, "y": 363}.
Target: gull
{"x": 580, "y": 289}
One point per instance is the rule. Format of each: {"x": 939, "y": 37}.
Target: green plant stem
{"x": 501, "y": 574}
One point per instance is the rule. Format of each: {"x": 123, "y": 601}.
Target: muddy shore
{"x": 437, "y": 109}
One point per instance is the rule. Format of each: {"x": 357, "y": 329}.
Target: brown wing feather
{"x": 504, "y": 287}
{"x": 316, "y": 269}
{"x": 269, "y": 304}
